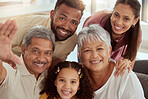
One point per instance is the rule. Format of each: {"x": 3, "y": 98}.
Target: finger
{"x": 119, "y": 69}
{"x": 16, "y": 59}
{"x": 13, "y": 32}
{"x": 5, "y": 26}
{"x": 9, "y": 28}
{"x": 123, "y": 71}
{"x": 129, "y": 69}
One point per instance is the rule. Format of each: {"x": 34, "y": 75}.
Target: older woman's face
{"x": 95, "y": 55}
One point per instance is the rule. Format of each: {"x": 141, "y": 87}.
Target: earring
{"x": 133, "y": 26}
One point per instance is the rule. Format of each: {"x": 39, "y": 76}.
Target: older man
{"x": 37, "y": 48}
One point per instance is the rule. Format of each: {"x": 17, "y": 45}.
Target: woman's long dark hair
{"x": 85, "y": 91}
{"x": 133, "y": 32}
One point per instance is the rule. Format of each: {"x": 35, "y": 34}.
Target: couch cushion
{"x": 144, "y": 82}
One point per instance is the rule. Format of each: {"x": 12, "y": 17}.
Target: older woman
{"x": 94, "y": 49}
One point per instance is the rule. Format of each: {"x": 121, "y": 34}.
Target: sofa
{"x": 141, "y": 70}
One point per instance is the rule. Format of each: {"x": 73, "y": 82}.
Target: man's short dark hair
{"x": 77, "y": 4}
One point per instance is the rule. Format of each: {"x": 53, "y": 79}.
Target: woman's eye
{"x": 87, "y": 50}
{"x": 126, "y": 19}
{"x": 115, "y": 15}
{"x": 99, "y": 48}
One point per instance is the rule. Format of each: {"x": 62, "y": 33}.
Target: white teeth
{"x": 95, "y": 61}
{"x": 63, "y": 32}
{"x": 66, "y": 92}
{"x": 39, "y": 64}
{"x": 118, "y": 27}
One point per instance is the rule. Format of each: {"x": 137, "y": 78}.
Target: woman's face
{"x": 95, "y": 55}
{"x": 122, "y": 18}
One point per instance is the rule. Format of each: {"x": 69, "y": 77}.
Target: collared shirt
{"x": 20, "y": 84}
{"x": 25, "y": 23}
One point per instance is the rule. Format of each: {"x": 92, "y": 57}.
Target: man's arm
{"x": 3, "y": 73}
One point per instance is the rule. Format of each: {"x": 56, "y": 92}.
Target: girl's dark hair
{"x": 133, "y": 32}
{"x": 85, "y": 91}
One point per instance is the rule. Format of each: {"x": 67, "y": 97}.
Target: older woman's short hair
{"x": 93, "y": 32}
{"x": 38, "y": 32}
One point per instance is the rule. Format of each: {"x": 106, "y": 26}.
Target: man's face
{"x": 38, "y": 56}
{"x": 64, "y": 21}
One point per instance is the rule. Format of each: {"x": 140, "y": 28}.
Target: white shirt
{"x": 20, "y": 84}
{"x": 126, "y": 87}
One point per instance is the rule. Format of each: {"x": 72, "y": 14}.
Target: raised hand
{"x": 7, "y": 33}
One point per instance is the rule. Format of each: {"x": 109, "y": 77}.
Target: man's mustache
{"x": 39, "y": 62}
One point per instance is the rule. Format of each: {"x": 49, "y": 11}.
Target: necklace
{"x": 117, "y": 37}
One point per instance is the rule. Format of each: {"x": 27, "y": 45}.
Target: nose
{"x": 41, "y": 58}
{"x": 67, "y": 85}
{"x": 119, "y": 21}
{"x": 67, "y": 25}
{"x": 94, "y": 55}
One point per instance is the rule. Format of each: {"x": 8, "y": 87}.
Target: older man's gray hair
{"x": 38, "y": 32}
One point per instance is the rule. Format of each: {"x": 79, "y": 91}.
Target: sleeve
{"x": 96, "y": 18}
{"x": 9, "y": 78}
{"x": 133, "y": 88}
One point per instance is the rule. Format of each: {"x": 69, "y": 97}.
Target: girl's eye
{"x": 62, "y": 80}
{"x": 73, "y": 82}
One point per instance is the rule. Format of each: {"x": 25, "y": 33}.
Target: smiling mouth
{"x": 95, "y": 62}
{"x": 40, "y": 65}
{"x": 63, "y": 32}
{"x": 118, "y": 28}
{"x": 66, "y": 93}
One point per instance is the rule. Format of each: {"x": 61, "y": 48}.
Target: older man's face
{"x": 38, "y": 56}
{"x": 64, "y": 21}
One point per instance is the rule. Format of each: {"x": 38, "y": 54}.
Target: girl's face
{"x": 67, "y": 83}
{"x": 122, "y": 18}
{"x": 95, "y": 55}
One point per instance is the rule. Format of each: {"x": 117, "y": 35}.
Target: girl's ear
{"x": 55, "y": 83}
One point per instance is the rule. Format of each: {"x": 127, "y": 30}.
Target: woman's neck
{"x": 98, "y": 79}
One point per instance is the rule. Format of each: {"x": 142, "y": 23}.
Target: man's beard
{"x": 56, "y": 34}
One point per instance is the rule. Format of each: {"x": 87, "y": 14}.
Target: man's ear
{"x": 23, "y": 49}
{"x": 51, "y": 14}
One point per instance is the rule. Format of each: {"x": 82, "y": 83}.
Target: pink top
{"x": 100, "y": 17}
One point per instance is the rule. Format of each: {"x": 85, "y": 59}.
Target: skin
{"x": 65, "y": 22}
{"x": 95, "y": 55}
{"x": 67, "y": 83}
{"x": 38, "y": 56}
{"x": 121, "y": 21}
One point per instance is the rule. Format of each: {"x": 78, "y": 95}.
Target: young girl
{"x": 66, "y": 80}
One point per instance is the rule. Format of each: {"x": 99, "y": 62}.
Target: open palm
{"x": 7, "y": 32}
